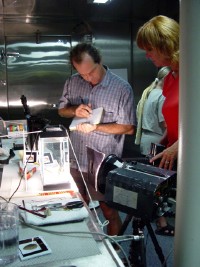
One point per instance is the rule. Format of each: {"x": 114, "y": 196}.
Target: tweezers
{"x": 33, "y": 212}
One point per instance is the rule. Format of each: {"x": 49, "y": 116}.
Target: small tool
{"x": 57, "y": 206}
{"x": 33, "y": 212}
{"x": 73, "y": 205}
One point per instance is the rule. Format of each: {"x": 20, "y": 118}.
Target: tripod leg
{"x": 137, "y": 253}
{"x": 125, "y": 224}
{"x": 156, "y": 244}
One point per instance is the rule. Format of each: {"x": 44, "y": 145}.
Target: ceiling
{"x": 78, "y": 17}
{"x": 61, "y": 10}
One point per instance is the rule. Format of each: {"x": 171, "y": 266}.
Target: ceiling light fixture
{"x": 98, "y": 1}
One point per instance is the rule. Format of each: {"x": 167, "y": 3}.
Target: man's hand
{"x": 86, "y": 127}
{"x": 168, "y": 157}
{"x": 83, "y": 111}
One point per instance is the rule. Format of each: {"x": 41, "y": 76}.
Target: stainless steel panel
{"x": 38, "y": 71}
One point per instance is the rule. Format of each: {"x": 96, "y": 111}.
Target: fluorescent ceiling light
{"x": 100, "y": 1}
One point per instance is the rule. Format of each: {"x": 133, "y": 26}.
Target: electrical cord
{"x": 106, "y": 222}
{"x": 22, "y": 176}
{"x": 23, "y": 172}
{"x": 12, "y": 154}
{"x": 4, "y": 199}
{"x": 81, "y": 232}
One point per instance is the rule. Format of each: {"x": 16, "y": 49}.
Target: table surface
{"x": 102, "y": 250}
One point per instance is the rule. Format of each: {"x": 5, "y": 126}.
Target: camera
{"x": 132, "y": 187}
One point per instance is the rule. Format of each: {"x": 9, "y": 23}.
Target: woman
{"x": 159, "y": 37}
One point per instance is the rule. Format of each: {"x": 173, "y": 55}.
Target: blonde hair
{"x": 162, "y": 34}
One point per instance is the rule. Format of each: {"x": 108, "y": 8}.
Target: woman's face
{"x": 157, "y": 58}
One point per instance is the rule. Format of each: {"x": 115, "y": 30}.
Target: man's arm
{"x": 67, "y": 112}
{"x": 110, "y": 128}
{"x": 81, "y": 111}
{"x": 84, "y": 111}
{"x": 114, "y": 128}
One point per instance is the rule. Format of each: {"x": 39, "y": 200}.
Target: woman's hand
{"x": 168, "y": 157}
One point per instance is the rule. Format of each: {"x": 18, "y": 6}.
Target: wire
{"x": 106, "y": 222}
{"x": 4, "y": 199}
{"x": 22, "y": 176}
{"x": 23, "y": 172}
{"x": 84, "y": 233}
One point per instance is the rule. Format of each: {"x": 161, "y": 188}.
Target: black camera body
{"x": 132, "y": 187}
{"x": 139, "y": 189}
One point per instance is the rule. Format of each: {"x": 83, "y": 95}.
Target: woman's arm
{"x": 168, "y": 157}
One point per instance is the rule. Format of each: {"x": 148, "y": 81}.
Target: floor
{"x": 166, "y": 244}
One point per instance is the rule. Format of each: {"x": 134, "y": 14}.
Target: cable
{"x": 106, "y": 222}
{"x": 84, "y": 233}
{"x": 22, "y": 176}
{"x": 4, "y": 199}
{"x": 23, "y": 172}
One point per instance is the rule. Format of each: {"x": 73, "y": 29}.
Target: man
{"x": 96, "y": 86}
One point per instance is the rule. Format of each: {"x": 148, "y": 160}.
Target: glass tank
{"x": 53, "y": 151}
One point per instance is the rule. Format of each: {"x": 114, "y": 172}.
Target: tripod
{"x": 137, "y": 252}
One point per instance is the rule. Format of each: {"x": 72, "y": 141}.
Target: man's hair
{"x": 162, "y": 34}
{"x": 77, "y": 52}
